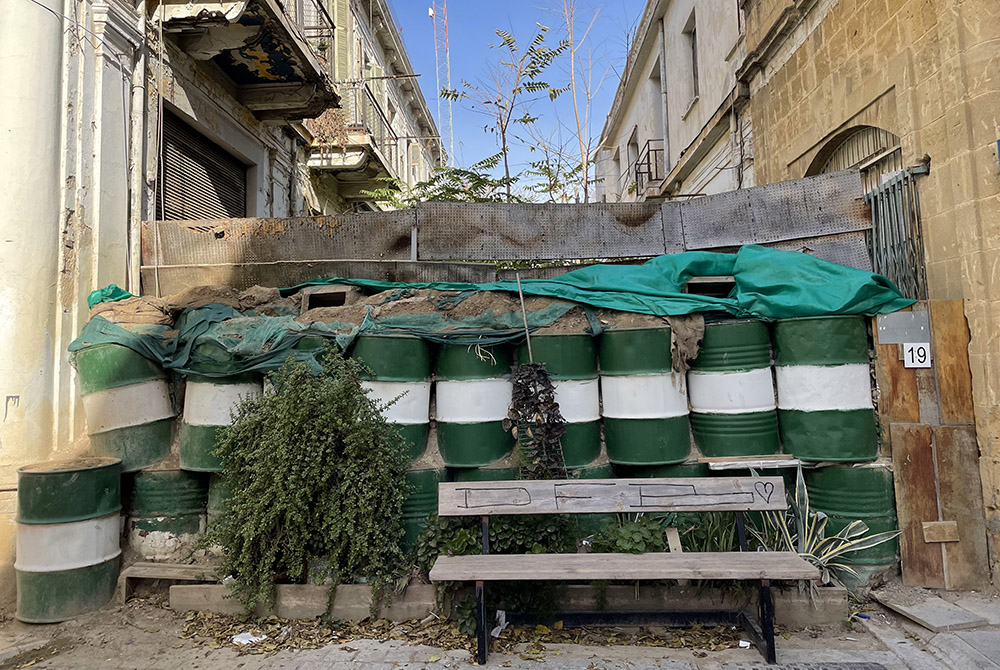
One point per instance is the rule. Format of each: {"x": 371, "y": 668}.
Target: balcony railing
{"x": 644, "y": 171}
{"x": 316, "y": 25}
{"x": 363, "y": 113}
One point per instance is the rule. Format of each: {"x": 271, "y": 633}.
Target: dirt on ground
{"x": 139, "y": 310}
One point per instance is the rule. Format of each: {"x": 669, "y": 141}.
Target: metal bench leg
{"x": 767, "y": 620}
{"x": 482, "y": 630}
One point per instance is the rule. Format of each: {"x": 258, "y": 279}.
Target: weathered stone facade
{"x": 927, "y": 71}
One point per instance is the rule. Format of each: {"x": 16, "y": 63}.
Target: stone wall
{"x": 929, "y": 72}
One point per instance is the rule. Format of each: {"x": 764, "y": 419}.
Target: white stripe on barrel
{"x": 813, "y": 388}
{"x": 127, "y": 406}
{"x": 413, "y": 405}
{"x": 660, "y": 396}
{"x": 731, "y": 392}
{"x": 579, "y": 400}
{"x": 473, "y": 400}
{"x": 67, "y": 546}
{"x": 207, "y": 404}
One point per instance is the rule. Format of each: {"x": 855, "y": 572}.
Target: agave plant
{"x": 803, "y": 530}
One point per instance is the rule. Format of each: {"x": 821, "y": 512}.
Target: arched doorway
{"x": 895, "y": 243}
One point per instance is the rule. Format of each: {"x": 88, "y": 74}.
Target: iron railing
{"x": 316, "y": 25}
{"x": 645, "y": 170}
{"x": 364, "y": 113}
{"x": 897, "y": 247}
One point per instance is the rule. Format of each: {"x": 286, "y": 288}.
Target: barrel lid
{"x": 70, "y": 465}
{"x": 610, "y": 329}
{"x": 822, "y": 317}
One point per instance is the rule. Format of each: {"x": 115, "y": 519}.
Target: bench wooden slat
{"x": 571, "y": 567}
{"x": 603, "y": 496}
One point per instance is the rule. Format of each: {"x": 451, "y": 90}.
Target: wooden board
{"x": 916, "y": 502}
{"x": 581, "y": 496}
{"x": 930, "y": 611}
{"x": 897, "y": 387}
{"x": 966, "y": 562}
{"x": 166, "y": 571}
{"x": 951, "y": 360}
{"x": 572, "y": 567}
{"x": 940, "y": 531}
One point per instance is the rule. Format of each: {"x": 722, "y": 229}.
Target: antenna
{"x": 442, "y": 63}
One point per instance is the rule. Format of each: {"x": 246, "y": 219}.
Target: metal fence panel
{"x": 505, "y": 231}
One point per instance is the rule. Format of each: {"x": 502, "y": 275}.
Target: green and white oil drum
{"x": 422, "y": 501}
{"x": 825, "y": 409}
{"x": 733, "y": 410}
{"x": 400, "y": 370}
{"x": 68, "y": 530}
{"x": 219, "y": 493}
{"x": 645, "y": 403}
{"x": 127, "y": 402}
{"x": 571, "y": 361}
{"x": 208, "y": 406}
{"x": 166, "y": 512}
{"x": 473, "y": 394}
{"x": 859, "y": 493}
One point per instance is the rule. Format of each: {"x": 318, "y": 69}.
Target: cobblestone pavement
{"x": 148, "y": 638}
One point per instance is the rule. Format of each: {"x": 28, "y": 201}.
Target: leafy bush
{"x": 633, "y": 534}
{"x": 318, "y": 477}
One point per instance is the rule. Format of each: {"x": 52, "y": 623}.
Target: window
{"x": 690, "y": 32}
{"x": 198, "y": 178}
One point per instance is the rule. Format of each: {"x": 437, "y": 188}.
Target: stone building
{"x": 677, "y": 124}
{"x": 384, "y": 129}
{"x": 907, "y": 92}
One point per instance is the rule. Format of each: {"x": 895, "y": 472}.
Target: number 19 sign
{"x": 916, "y": 355}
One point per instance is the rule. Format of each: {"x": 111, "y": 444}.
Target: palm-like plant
{"x": 803, "y": 530}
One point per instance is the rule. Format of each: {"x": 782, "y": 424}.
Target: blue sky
{"x": 472, "y": 25}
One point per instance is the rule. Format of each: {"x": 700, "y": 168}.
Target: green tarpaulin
{"x": 769, "y": 285}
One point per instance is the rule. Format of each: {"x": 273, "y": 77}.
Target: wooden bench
{"x": 603, "y": 496}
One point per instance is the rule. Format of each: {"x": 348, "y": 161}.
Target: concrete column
{"x": 31, "y": 47}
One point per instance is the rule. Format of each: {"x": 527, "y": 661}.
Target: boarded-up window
{"x": 198, "y": 179}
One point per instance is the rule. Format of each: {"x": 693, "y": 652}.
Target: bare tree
{"x": 506, "y": 92}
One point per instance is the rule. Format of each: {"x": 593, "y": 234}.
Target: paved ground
{"x": 146, "y": 636}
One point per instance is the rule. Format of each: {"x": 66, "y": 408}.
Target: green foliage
{"x": 708, "y": 531}
{"x": 318, "y": 478}
{"x": 802, "y": 530}
{"x": 536, "y": 423}
{"x": 633, "y": 534}
{"x": 448, "y": 184}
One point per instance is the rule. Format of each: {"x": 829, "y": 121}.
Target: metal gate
{"x": 897, "y": 245}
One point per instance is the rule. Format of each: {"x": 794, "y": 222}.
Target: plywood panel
{"x": 916, "y": 502}
{"x": 966, "y": 562}
{"x": 951, "y": 360}
{"x": 897, "y": 387}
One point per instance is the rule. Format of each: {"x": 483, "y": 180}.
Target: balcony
{"x": 279, "y": 56}
{"x": 645, "y": 172}
{"x": 360, "y": 147}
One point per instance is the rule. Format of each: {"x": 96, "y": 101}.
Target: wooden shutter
{"x": 198, "y": 179}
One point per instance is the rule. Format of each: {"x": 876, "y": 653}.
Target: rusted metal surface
{"x": 824, "y": 216}
{"x": 371, "y": 236}
{"x": 502, "y": 231}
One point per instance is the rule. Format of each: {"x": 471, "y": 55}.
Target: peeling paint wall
{"x": 78, "y": 163}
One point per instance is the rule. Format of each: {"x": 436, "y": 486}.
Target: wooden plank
{"x": 966, "y": 562}
{"x": 149, "y": 570}
{"x": 940, "y": 531}
{"x": 929, "y": 611}
{"x": 573, "y": 567}
{"x": 897, "y": 387}
{"x": 744, "y": 459}
{"x": 951, "y": 359}
{"x": 611, "y": 495}
{"x": 674, "y": 541}
{"x": 916, "y": 502}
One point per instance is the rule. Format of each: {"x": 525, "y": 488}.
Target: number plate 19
{"x": 916, "y": 355}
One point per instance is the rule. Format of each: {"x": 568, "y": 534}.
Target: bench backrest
{"x": 588, "y": 496}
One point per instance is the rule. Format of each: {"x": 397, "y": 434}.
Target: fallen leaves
{"x": 216, "y": 631}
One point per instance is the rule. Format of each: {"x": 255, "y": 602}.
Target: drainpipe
{"x": 667, "y": 164}
{"x": 137, "y": 153}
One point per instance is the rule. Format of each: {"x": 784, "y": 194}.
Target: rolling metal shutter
{"x": 198, "y": 179}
